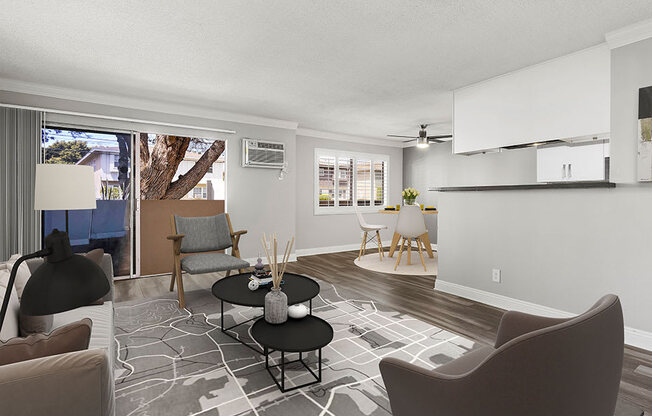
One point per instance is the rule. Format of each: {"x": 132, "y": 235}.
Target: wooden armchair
{"x": 202, "y": 237}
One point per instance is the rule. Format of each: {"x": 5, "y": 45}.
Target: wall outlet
{"x": 495, "y": 275}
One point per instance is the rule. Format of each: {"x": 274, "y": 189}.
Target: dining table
{"x": 397, "y": 237}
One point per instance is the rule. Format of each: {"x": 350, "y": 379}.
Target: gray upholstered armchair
{"x": 538, "y": 367}
{"x": 203, "y": 236}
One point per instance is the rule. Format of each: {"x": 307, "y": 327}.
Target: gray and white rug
{"x": 178, "y": 362}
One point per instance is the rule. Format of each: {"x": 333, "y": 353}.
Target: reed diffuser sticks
{"x": 272, "y": 260}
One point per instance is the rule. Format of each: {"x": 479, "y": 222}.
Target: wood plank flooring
{"x": 415, "y": 296}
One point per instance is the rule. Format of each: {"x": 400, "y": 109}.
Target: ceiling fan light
{"x": 422, "y": 142}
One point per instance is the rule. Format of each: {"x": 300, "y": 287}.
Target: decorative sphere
{"x": 253, "y": 285}
{"x": 297, "y": 311}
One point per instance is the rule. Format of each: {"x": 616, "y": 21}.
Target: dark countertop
{"x": 556, "y": 185}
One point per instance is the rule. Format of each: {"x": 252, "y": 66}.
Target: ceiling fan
{"x": 423, "y": 140}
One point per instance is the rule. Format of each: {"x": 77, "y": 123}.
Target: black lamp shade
{"x": 64, "y": 281}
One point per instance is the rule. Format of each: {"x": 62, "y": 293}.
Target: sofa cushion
{"x": 102, "y": 317}
{"x": 68, "y": 338}
{"x": 211, "y": 262}
{"x": 10, "y": 328}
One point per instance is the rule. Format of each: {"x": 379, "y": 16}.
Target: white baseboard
{"x": 634, "y": 337}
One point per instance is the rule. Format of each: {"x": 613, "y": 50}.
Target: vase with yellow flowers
{"x": 409, "y": 196}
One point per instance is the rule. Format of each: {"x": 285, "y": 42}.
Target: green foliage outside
{"x": 323, "y": 197}
{"x": 66, "y": 152}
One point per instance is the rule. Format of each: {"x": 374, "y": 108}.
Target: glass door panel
{"x": 109, "y": 225}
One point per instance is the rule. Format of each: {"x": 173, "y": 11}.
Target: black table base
{"x": 281, "y": 384}
{"x": 225, "y": 330}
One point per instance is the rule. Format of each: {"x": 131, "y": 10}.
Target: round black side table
{"x": 293, "y": 336}
{"x": 233, "y": 289}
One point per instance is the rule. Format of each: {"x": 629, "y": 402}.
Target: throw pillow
{"x": 72, "y": 337}
{"x": 10, "y": 325}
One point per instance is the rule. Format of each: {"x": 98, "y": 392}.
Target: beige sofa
{"x": 77, "y": 383}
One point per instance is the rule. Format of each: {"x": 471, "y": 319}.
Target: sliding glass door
{"x": 108, "y": 226}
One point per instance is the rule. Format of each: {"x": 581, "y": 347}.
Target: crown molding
{"x": 301, "y": 131}
{"x": 629, "y": 34}
{"x": 189, "y": 110}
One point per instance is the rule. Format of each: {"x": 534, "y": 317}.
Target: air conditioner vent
{"x": 263, "y": 154}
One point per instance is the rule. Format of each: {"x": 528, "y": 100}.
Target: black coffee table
{"x": 293, "y": 336}
{"x": 234, "y": 290}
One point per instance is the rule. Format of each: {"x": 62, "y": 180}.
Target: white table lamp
{"x": 64, "y": 187}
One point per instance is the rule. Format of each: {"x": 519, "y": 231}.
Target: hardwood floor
{"x": 415, "y": 296}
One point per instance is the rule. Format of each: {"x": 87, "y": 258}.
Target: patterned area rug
{"x": 178, "y": 362}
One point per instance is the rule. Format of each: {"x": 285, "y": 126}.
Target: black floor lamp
{"x": 65, "y": 280}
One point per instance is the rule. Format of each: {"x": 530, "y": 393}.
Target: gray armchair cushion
{"x": 211, "y": 262}
{"x": 203, "y": 233}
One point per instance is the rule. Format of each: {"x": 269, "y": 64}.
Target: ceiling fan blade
{"x": 442, "y": 136}
{"x": 398, "y": 135}
{"x": 408, "y": 141}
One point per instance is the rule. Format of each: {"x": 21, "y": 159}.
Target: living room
{"x": 333, "y": 208}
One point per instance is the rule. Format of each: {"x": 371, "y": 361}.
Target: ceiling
{"x": 365, "y": 68}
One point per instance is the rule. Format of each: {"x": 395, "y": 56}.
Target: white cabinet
{"x": 567, "y": 163}
{"x": 566, "y": 97}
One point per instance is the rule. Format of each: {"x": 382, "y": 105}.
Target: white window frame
{"x": 335, "y": 210}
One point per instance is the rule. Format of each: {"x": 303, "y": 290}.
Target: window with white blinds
{"x": 344, "y": 180}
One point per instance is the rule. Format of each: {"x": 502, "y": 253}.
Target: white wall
{"x": 437, "y": 166}
{"x": 561, "y": 249}
{"x": 317, "y": 233}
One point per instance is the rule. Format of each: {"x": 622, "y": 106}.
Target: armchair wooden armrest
{"x": 176, "y": 243}
{"x": 235, "y": 239}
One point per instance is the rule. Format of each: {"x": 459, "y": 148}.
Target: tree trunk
{"x": 157, "y": 168}
{"x": 124, "y": 144}
{"x": 157, "y": 173}
{"x": 186, "y": 182}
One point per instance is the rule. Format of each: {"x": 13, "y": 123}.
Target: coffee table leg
{"x": 310, "y": 306}
{"x": 283, "y": 371}
{"x": 222, "y": 315}
{"x": 319, "y": 359}
{"x": 266, "y": 358}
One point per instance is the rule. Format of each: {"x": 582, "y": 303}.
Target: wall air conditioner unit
{"x": 262, "y": 154}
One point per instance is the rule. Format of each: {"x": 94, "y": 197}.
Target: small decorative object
{"x": 298, "y": 311}
{"x": 259, "y": 268}
{"x": 276, "y": 302}
{"x": 409, "y": 195}
{"x": 253, "y": 285}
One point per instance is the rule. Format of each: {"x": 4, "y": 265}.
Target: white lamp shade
{"x": 61, "y": 187}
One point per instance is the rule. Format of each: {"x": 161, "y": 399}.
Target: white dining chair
{"x": 410, "y": 225}
{"x": 369, "y": 228}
